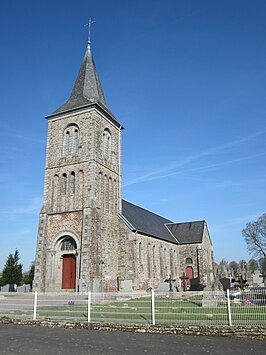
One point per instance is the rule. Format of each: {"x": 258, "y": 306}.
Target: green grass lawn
{"x": 187, "y": 310}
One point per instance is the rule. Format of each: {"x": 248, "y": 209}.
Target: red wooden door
{"x": 69, "y": 272}
{"x": 189, "y": 274}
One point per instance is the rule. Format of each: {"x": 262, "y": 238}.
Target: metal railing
{"x": 149, "y": 307}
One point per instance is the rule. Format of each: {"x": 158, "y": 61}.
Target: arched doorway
{"x": 68, "y": 248}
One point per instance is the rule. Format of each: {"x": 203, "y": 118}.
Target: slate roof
{"x": 87, "y": 89}
{"x": 187, "y": 232}
{"x": 143, "y": 221}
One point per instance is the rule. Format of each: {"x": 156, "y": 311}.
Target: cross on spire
{"x": 89, "y": 24}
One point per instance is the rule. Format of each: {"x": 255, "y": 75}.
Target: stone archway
{"x": 68, "y": 249}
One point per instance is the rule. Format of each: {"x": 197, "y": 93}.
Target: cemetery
{"x": 212, "y": 308}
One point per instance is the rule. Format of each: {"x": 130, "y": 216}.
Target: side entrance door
{"x": 69, "y": 272}
{"x": 189, "y": 274}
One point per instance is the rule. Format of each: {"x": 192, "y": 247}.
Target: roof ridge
{"x": 201, "y": 220}
{"x": 145, "y": 209}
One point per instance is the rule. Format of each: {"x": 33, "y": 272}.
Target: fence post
{"x": 229, "y": 308}
{"x": 89, "y": 306}
{"x": 152, "y": 307}
{"x": 35, "y": 305}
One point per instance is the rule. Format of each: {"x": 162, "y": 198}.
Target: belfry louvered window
{"x": 107, "y": 144}
{"x": 71, "y": 141}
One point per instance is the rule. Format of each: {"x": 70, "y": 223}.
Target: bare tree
{"x": 255, "y": 236}
{"x": 262, "y": 266}
{"x": 233, "y": 267}
{"x": 243, "y": 265}
{"x": 243, "y": 268}
{"x": 252, "y": 265}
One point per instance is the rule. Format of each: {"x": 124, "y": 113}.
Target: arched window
{"x": 100, "y": 188}
{"x": 189, "y": 261}
{"x": 149, "y": 260}
{"x": 153, "y": 255}
{"x": 68, "y": 243}
{"x": 107, "y": 144}
{"x": 165, "y": 262}
{"x": 172, "y": 271}
{"x": 64, "y": 187}
{"x": 161, "y": 262}
{"x": 140, "y": 253}
{"x": 110, "y": 191}
{"x": 67, "y": 143}
{"x": 80, "y": 189}
{"x": 115, "y": 197}
{"x": 73, "y": 182}
{"x": 76, "y": 142}
{"x": 106, "y": 194}
{"x": 55, "y": 192}
{"x": 175, "y": 262}
{"x": 71, "y": 140}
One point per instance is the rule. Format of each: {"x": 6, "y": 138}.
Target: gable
{"x": 188, "y": 232}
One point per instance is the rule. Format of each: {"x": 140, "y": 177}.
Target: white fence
{"x": 172, "y": 308}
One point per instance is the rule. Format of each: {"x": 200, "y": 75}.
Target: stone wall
{"x": 145, "y": 260}
{"x": 240, "y": 331}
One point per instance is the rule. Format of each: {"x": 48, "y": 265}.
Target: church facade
{"x": 88, "y": 237}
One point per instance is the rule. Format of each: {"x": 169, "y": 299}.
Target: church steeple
{"x": 87, "y": 89}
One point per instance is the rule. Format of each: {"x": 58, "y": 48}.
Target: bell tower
{"x": 77, "y": 234}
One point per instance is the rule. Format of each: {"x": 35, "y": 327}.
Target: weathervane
{"x": 89, "y": 24}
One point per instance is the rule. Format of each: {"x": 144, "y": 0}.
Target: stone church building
{"x": 88, "y": 237}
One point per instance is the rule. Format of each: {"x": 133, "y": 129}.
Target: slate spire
{"x": 87, "y": 88}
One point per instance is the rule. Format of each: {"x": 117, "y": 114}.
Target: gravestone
{"x": 184, "y": 279}
{"x": 24, "y": 288}
{"x": 226, "y": 283}
{"x": 257, "y": 279}
{"x": 195, "y": 285}
{"x": 163, "y": 287}
{"x": 126, "y": 285}
{"x": 170, "y": 281}
{"x": 213, "y": 294}
{"x": 212, "y": 298}
{"x": 5, "y": 288}
{"x": 12, "y": 288}
{"x": 27, "y": 288}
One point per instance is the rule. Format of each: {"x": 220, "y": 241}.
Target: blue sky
{"x": 185, "y": 78}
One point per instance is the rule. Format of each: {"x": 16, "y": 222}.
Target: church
{"x": 89, "y": 238}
